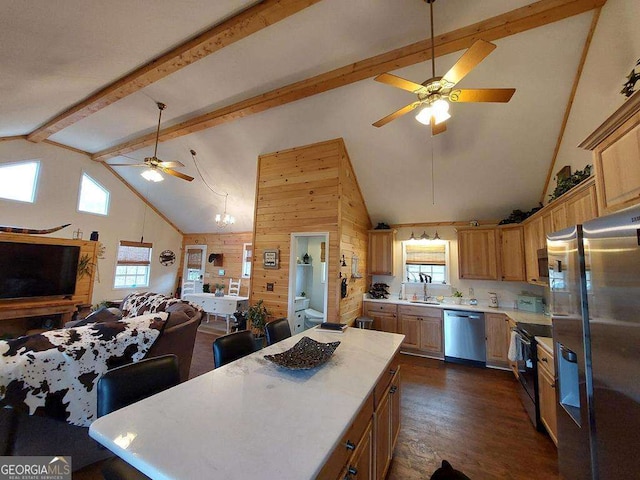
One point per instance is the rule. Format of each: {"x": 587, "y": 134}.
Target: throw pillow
{"x": 103, "y": 314}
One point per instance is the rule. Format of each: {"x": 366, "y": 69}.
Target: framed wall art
{"x": 271, "y": 259}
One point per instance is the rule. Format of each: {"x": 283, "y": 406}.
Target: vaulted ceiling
{"x": 86, "y": 55}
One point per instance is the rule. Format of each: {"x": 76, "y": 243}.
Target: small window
{"x": 426, "y": 261}
{"x": 247, "y": 255}
{"x": 133, "y": 265}
{"x": 18, "y": 181}
{"x": 93, "y": 198}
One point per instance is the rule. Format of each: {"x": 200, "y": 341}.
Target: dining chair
{"x": 234, "y": 287}
{"x": 128, "y": 384}
{"x": 277, "y": 330}
{"x": 232, "y": 346}
{"x": 188, "y": 286}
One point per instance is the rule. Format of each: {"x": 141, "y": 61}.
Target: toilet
{"x": 312, "y": 317}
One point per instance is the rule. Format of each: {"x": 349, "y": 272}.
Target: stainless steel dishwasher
{"x": 464, "y": 337}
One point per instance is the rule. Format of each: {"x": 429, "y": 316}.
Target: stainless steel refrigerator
{"x": 594, "y": 277}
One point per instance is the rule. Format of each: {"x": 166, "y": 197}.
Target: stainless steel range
{"x": 527, "y": 360}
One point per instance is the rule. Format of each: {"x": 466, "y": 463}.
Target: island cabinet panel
{"x": 498, "y": 335}
{"x": 547, "y": 386}
{"x": 385, "y": 316}
{"x": 477, "y": 254}
{"x": 422, "y": 327}
{"x": 381, "y": 244}
{"x": 360, "y": 467}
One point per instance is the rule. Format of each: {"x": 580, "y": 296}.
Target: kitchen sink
{"x": 425, "y": 302}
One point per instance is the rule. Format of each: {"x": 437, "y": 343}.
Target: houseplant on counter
{"x": 219, "y": 289}
{"x": 457, "y": 297}
{"x": 257, "y": 315}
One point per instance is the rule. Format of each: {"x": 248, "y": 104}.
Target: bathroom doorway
{"x": 308, "y": 286}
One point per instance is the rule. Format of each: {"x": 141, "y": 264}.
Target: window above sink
{"x": 425, "y": 261}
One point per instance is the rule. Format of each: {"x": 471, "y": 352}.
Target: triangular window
{"x": 93, "y": 198}
{"x": 18, "y": 180}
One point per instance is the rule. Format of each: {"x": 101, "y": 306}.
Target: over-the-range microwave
{"x": 543, "y": 264}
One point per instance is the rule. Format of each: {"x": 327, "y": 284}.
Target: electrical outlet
{"x": 471, "y": 292}
{"x": 269, "y": 287}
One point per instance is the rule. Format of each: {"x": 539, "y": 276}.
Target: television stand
{"x": 14, "y": 314}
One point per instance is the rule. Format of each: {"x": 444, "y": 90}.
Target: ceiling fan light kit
{"x": 434, "y": 93}
{"x": 152, "y": 175}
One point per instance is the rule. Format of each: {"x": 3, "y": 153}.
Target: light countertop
{"x": 251, "y": 418}
{"x": 546, "y": 343}
{"x": 515, "y": 315}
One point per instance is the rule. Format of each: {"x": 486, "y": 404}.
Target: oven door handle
{"x": 522, "y": 339}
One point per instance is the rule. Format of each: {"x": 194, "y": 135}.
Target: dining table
{"x": 254, "y": 418}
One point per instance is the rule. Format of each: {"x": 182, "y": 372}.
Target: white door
{"x": 193, "y": 269}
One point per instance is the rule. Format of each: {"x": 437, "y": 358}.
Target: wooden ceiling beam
{"x": 249, "y": 21}
{"x": 519, "y": 20}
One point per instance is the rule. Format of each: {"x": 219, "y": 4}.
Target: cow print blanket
{"x": 55, "y": 373}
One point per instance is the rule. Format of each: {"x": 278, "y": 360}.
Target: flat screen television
{"x": 37, "y": 270}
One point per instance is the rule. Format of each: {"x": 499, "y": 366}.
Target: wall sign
{"x": 271, "y": 259}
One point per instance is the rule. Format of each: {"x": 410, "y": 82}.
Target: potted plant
{"x": 457, "y": 297}
{"x": 219, "y": 289}
{"x": 257, "y": 315}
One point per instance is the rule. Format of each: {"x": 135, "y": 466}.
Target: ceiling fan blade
{"x": 439, "y": 128}
{"x": 127, "y": 164}
{"x": 176, "y": 174}
{"x": 399, "y": 82}
{"x": 173, "y": 164}
{"x": 468, "y": 61}
{"x": 396, "y": 114}
{"x": 501, "y": 95}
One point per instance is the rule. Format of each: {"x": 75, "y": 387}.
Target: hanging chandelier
{"x": 224, "y": 219}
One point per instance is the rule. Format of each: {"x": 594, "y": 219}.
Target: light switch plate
{"x": 221, "y": 272}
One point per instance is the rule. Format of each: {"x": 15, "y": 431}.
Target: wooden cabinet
{"x": 547, "y": 392}
{"x": 492, "y": 253}
{"x": 387, "y": 425}
{"x": 385, "y": 316}
{"x": 477, "y": 254}
{"x": 381, "y": 252}
{"x": 574, "y": 207}
{"x": 422, "y": 327}
{"x": 498, "y": 335}
{"x": 616, "y": 157}
{"x": 360, "y": 466}
{"x": 512, "y": 263}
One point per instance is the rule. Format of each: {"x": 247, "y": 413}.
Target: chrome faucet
{"x": 425, "y": 292}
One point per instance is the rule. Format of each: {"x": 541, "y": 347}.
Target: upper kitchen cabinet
{"x": 616, "y": 157}
{"x": 512, "y": 253}
{"x": 381, "y": 253}
{"x": 478, "y": 254}
{"x": 491, "y": 253}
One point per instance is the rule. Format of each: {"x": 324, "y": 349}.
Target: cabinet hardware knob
{"x": 350, "y": 445}
{"x": 544, "y": 359}
{"x": 393, "y": 389}
{"x": 392, "y": 372}
{"x": 553, "y": 385}
{"x": 352, "y": 471}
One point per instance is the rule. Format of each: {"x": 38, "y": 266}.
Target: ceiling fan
{"x": 434, "y": 92}
{"x": 153, "y": 164}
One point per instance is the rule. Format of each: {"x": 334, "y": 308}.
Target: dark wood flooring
{"x": 470, "y": 416}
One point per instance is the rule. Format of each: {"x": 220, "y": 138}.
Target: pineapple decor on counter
{"x": 379, "y": 290}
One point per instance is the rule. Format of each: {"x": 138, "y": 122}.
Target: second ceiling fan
{"x": 434, "y": 92}
{"x": 153, "y": 164}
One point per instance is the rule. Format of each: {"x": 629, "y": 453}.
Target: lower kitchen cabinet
{"x": 385, "y": 316}
{"x": 360, "y": 467}
{"x": 387, "y": 426}
{"x": 498, "y": 336}
{"x": 422, "y": 328}
{"x": 547, "y": 392}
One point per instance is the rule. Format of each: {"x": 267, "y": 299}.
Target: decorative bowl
{"x": 305, "y": 354}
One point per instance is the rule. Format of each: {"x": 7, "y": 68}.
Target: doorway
{"x": 308, "y": 286}
{"x": 193, "y": 269}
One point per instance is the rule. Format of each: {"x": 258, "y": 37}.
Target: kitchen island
{"x": 253, "y": 419}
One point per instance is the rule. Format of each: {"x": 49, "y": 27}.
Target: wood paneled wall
{"x": 308, "y": 189}
{"x": 230, "y": 246}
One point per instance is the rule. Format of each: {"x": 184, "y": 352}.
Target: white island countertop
{"x": 515, "y": 315}
{"x": 252, "y": 419}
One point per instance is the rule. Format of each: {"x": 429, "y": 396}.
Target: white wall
{"x": 56, "y": 204}
{"x": 614, "y": 51}
{"x": 506, "y": 291}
